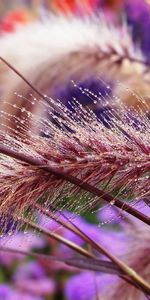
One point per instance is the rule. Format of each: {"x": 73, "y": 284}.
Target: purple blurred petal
{"x": 19, "y": 241}
{"x": 23, "y": 296}
{"x": 31, "y": 277}
{"x": 30, "y": 270}
{"x": 40, "y": 287}
{"x": 138, "y": 18}
{"x": 114, "y": 241}
{"x": 108, "y": 214}
{"x": 5, "y": 292}
{"x": 85, "y": 286}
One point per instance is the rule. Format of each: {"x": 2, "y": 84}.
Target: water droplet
{"x": 112, "y": 202}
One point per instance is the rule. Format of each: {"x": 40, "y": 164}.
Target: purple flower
{"x": 94, "y": 85}
{"x": 112, "y": 240}
{"x": 30, "y": 270}
{"x": 138, "y": 18}
{"x": 55, "y": 227}
{"x": 65, "y": 216}
{"x": 86, "y": 285}
{"x": 8, "y": 293}
{"x": 23, "y": 296}
{"x": 137, "y": 9}
{"x": 40, "y": 287}
{"x": 31, "y": 278}
{"x": 143, "y": 207}
{"x": 19, "y": 241}
{"x": 5, "y": 292}
{"x": 109, "y": 214}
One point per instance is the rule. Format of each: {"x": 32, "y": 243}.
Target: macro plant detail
{"x": 61, "y": 159}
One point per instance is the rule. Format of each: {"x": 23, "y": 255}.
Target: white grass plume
{"x": 53, "y": 51}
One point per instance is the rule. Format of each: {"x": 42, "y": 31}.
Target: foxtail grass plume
{"x": 76, "y": 152}
{"x": 110, "y": 162}
{"x": 69, "y": 48}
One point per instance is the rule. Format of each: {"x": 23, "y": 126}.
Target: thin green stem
{"x": 56, "y": 237}
{"x": 127, "y": 270}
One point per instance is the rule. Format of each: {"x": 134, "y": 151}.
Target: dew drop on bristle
{"x": 103, "y": 145}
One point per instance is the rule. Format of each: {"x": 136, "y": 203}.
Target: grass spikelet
{"x": 110, "y": 162}
{"x": 74, "y": 160}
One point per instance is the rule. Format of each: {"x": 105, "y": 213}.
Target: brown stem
{"x": 23, "y": 78}
{"x": 73, "y": 227}
{"x": 93, "y": 263}
{"x": 56, "y": 237}
{"x": 137, "y": 279}
{"x": 101, "y": 266}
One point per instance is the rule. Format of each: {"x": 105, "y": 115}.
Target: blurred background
{"x": 28, "y": 279}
